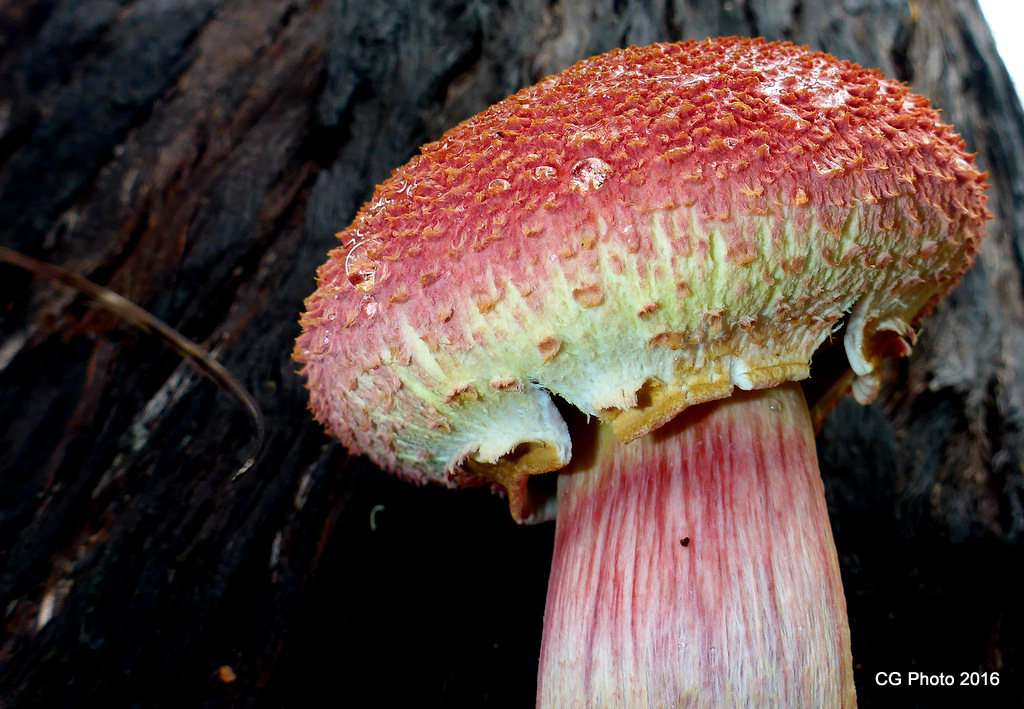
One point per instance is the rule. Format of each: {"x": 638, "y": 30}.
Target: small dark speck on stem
{"x": 684, "y": 542}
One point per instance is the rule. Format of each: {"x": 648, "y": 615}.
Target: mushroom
{"x": 662, "y": 238}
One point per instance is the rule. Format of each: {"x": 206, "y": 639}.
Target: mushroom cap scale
{"x": 641, "y": 232}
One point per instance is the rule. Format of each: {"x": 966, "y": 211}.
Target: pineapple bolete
{"x": 661, "y": 237}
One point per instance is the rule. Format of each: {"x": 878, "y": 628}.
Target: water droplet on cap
{"x": 542, "y": 172}
{"x": 370, "y": 306}
{"x": 498, "y": 185}
{"x": 589, "y": 174}
{"x": 827, "y": 166}
{"x": 360, "y": 266}
{"x": 377, "y": 207}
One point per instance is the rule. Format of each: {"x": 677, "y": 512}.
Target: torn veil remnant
{"x": 643, "y": 232}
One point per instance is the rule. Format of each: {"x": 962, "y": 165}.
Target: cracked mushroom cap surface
{"x": 641, "y": 232}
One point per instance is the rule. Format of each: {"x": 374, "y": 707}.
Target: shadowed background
{"x": 198, "y": 156}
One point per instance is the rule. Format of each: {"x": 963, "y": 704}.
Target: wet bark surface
{"x": 197, "y": 157}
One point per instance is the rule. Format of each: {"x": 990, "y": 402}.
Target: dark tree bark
{"x": 198, "y": 156}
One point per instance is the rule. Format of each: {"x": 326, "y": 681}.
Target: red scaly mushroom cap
{"x": 641, "y": 232}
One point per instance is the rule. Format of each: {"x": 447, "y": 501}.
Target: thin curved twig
{"x": 147, "y": 322}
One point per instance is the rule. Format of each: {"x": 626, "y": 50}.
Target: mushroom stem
{"x": 696, "y": 567}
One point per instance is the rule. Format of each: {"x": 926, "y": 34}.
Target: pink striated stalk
{"x": 696, "y": 567}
